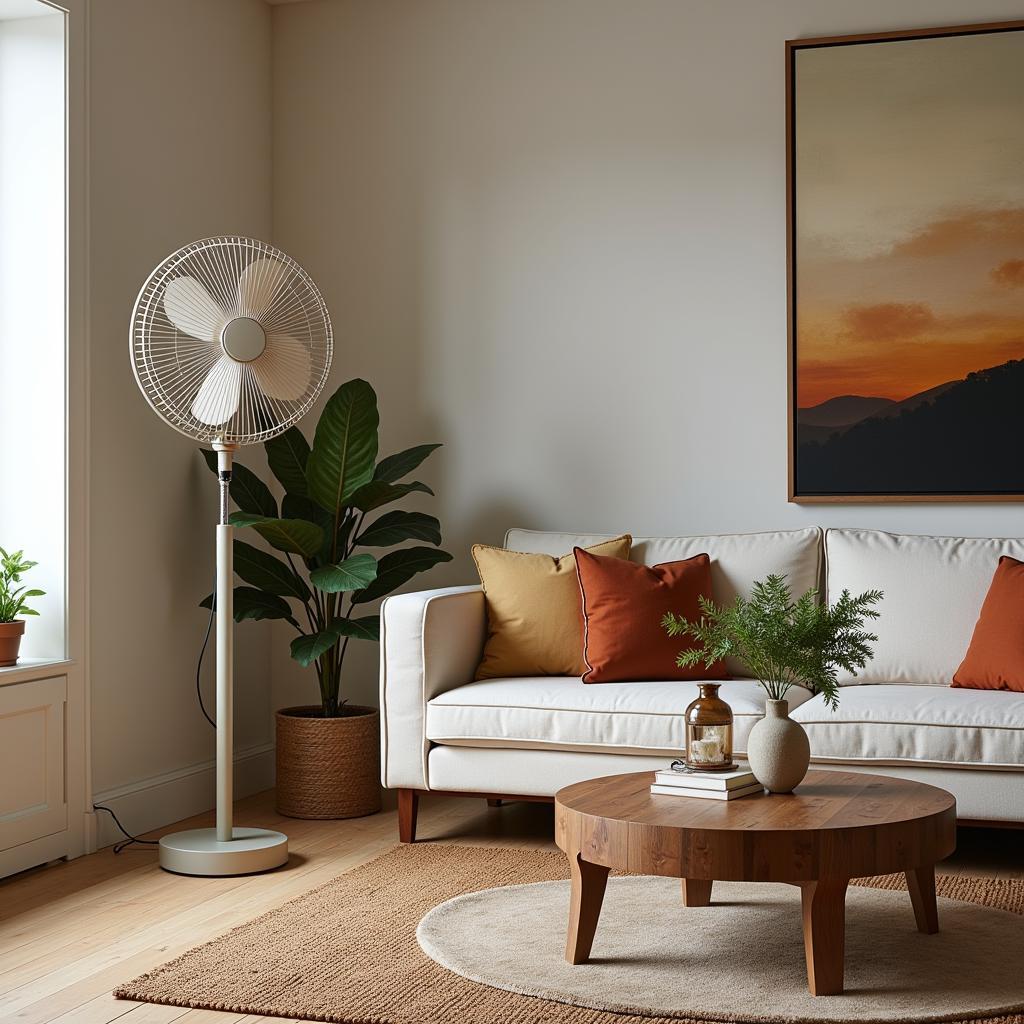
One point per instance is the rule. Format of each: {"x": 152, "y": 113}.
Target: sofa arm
{"x": 430, "y": 642}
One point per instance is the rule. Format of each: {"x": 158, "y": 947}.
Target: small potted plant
{"x": 782, "y": 642}
{"x": 328, "y": 532}
{"x": 13, "y": 604}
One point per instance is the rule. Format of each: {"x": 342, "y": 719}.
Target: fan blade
{"x": 283, "y": 369}
{"x": 219, "y": 393}
{"x": 258, "y": 286}
{"x": 191, "y": 308}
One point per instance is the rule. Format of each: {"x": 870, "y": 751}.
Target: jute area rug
{"x": 347, "y": 952}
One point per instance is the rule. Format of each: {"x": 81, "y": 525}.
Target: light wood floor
{"x": 69, "y": 933}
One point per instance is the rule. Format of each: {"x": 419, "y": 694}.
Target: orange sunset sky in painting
{"x": 910, "y": 213}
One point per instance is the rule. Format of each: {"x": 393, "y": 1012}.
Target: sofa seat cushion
{"x": 561, "y": 713}
{"x": 925, "y": 725}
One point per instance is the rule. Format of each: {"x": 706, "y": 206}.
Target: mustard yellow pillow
{"x": 534, "y": 625}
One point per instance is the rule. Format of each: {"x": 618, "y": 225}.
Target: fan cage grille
{"x": 170, "y": 365}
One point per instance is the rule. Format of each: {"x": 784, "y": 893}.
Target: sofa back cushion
{"x": 737, "y": 559}
{"x": 934, "y": 589}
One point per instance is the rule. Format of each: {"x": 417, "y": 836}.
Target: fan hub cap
{"x": 243, "y": 339}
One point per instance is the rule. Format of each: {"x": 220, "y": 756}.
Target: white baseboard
{"x": 164, "y": 799}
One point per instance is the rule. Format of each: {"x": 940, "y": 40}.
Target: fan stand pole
{"x": 225, "y": 652}
{"x": 224, "y": 850}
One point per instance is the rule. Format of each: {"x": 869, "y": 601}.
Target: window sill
{"x": 30, "y": 669}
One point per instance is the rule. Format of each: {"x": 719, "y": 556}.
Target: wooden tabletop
{"x": 834, "y": 825}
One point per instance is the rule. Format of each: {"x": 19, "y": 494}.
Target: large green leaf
{"x": 250, "y": 493}
{"x": 247, "y": 490}
{"x": 263, "y": 570}
{"x": 250, "y": 603}
{"x": 295, "y": 535}
{"x": 305, "y": 508}
{"x": 379, "y": 492}
{"x": 306, "y": 649}
{"x": 287, "y": 455}
{"x": 394, "y": 467}
{"x": 398, "y": 567}
{"x": 396, "y": 527}
{"x": 345, "y": 446}
{"x": 366, "y": 628}
{"x": 353, "y": 573}
{"x": 295, "y": 507}
{"x": 345, "y": 532}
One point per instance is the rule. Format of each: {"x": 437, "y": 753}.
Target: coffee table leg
{"x": 921, "y": 883}
{"x": 588, "y": 885}
{"x": 824, "y": 914}
{"x": 697, "y": 892}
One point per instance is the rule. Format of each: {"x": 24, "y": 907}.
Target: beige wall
{"x": 552, "y": 233}
{"x": 179, "y": 149}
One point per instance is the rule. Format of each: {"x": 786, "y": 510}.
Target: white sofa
{"x": 528, "y": 737}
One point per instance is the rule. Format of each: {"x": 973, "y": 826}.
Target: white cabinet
{"x": 33, "y": 783}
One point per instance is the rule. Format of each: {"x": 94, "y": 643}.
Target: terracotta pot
{"x": 10, "y": 641}
{"x": 328, "y": 767}
{"x": 778, "y": 749}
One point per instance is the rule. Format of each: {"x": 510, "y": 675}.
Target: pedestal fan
{"x": 231, "y": 344}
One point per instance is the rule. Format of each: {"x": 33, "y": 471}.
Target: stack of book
{"x": 707, "y": 785}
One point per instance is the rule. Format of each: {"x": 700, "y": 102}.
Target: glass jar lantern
{"x": 709, "y": 732}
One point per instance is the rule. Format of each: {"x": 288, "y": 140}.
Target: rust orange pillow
{"x": 995, "y": 658}
{"x": 623, "y": 604}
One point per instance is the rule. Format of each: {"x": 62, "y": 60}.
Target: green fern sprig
{"x": 781, "y": 641}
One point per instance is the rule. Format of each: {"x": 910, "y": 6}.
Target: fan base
{"x": 198, "y": 852}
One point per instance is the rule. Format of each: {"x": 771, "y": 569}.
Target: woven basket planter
{"x": 328, "y": 767}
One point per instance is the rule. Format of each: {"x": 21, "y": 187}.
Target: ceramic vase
{"x": 778, "y": 749}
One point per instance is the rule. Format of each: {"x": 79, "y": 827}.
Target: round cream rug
{"x": 740, "y": 959}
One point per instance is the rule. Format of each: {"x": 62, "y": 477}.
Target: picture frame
{"x": 856, "y": 232}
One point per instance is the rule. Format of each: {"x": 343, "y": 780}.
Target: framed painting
{"x": 905, "y": 185}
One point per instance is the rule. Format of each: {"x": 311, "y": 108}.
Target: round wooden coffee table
{"x": 834, "y": 827}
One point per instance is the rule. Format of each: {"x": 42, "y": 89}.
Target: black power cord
{"x": 202, "y": 654}
{"x": 130, "y": 839}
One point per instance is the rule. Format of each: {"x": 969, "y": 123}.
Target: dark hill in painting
{"x": 919, "y": 399}
{"x": 820, "y": 422}
{"x": 968, "y": 438}
{"x": 842, "y": 411}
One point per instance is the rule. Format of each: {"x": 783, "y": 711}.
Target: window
{"x": 33, "y": 307}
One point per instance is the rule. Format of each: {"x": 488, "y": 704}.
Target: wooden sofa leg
{"x": 408, "y": 805}
{"x": 493, "y": 802}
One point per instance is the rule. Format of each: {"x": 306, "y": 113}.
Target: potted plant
{"x": 329, "y": 534}
{"x": 782, "y": 642}
{"x": 13, "y": 604}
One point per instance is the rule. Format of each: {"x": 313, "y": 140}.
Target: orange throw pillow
{"x": 995, "y": 659}
{"x": 623, "y": 604}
